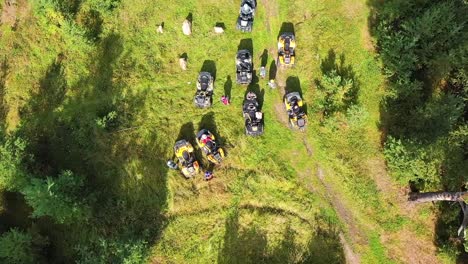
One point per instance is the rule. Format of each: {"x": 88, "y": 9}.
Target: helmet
{"x": 246, "y": 8}
{"x": 203, "y": 136}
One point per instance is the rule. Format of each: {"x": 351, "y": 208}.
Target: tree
{"x": 60, "y": 198}
{"x": 16, "y": 247}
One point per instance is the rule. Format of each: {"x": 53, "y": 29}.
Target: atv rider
{"x": 295, "y": 109}
{"x": 205, "y": 139}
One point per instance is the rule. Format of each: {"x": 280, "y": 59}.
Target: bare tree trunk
{"x": 437, "y": 196}
{"x": 445, "y": 196}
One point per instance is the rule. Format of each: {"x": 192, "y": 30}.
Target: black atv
{"x": 246, "y": 15}
{"x": 244, "y": 67}
{"x": 252, "y": 115}
{"x": 204, "y": 95}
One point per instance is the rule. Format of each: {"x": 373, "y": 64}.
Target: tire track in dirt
{"x": 355, "y": 233}
{"x": 343, "y": 213}
{"x": 271, "y": 10}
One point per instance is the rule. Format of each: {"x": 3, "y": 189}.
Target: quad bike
{"x": 244, "y": 67}
{"x": 252, "y": 115}
{"x": 204, "y": 95}
{"x": 206, "y": 141}
{"x": 294, "y": 107}
{"x": 246, "y": 15}
{"x": 286, "y": 50}
{"x": 186, "y": 158}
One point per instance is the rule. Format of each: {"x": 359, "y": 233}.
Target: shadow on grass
{"x": 246, "y": 44}
{"x": 125, "y": 176}
{"x": 209, "y": 66}
{"x": 228, "y": 87}
{"x": 92, "y": 21}
{"x": 187, "y": 132}
{"x": 255, "y": 87}
{"x": 208, "y": 121}
{"x": 264, "y": 58}
{"x": 273, "y": 70}
{"x": 189, "y": 17}
{"x": 250, "y": 244}
{"x": 4, "y": 69}
{"x": 286, "y": 27}
{"x": 221, "y": 25}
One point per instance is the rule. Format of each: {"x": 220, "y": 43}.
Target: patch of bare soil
{"x": 355, "y": 233}
{"x": 10, "y": 12}
{"x": 308, "y": 147}
{"x": 367, "y": 39}
{"x": 271, "y": 10}
{"x": 352, "y": 8}
{"x": 281, "y": 114}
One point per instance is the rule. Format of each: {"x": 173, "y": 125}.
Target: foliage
{"x": 12, "y": 154}
{"x": 423, "y": 48}
{"x": 338, "y": 88}
{"x": 16, "y": 247}
{"x": 335, "y": 91}
{"x": 60, "y": 198}
{"x": 410, "y": 162}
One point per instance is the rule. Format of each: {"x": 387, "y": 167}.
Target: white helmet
{"x": 246, "y": 8}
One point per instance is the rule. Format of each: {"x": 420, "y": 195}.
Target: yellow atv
{"x": 294, "y": 107}
{"x": 206, "y": 141}
{"x": 286, "y": 50}
{"x": 184, "y": 153}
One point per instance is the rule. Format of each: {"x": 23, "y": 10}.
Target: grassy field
{"x": 286, "y": 197}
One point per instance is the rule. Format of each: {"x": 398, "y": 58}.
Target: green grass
{"x": 266, "y": 204}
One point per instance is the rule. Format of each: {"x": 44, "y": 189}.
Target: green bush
{"x": 60, "y": 198}
{"x": 16, "y": 247}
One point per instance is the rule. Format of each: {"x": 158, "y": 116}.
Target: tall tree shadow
{"x": 4, "y": 70}
{"x": 228, "y": 86}
{"x": 293, "y": 84}
{"x": 125, "y": 176}
{"x": 209, "y": 66}
{"x": 92, "y": 21}
{"x": 242, "y": 246}
{"x": 249, "y": 244}
{"x": 69, "y": 8}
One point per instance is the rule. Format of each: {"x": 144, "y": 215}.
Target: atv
{"x": 286, "y": 50}
{"x": 186, "y": 158}
{"x": 252, "y": 115}
{"x": 294, "y": 107}
{"x": 246, "y": 15}
{"x": 203, "y": 96}
{"x": 206, "y": 141}
{"x": 244, "y": 67}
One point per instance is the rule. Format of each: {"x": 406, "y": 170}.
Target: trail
{"x": 345, "y": 216}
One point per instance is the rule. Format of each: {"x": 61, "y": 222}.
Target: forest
{"x": 92, "y": 100}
